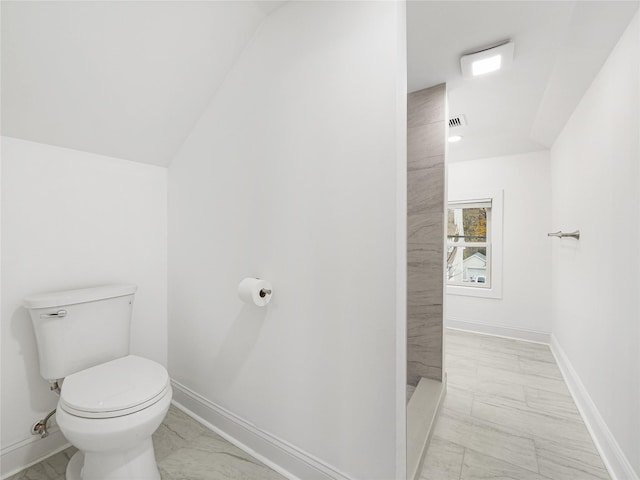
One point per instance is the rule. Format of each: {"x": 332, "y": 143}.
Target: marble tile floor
{"x": 185, "y": 450}
{"x": 508, "y": 415}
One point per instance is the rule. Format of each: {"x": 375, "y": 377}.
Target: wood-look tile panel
{"x": 426, "y": 228}
{"x": 425, "y": 232}
{"x": 426, "y": 106}
{"x": 425, "y": 190}
{"x": 425, "y": 142}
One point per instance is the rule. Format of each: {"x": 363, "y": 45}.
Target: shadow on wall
{"x": 233, "y": 354}
{"x": 238, "y": 344}
{"x": 40, "y": 398}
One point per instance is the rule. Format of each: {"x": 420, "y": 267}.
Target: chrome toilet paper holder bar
{"x": 559, "y": 234}
{"x": 264, "y": 292}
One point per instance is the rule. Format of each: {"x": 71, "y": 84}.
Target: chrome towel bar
{"x": 559, "y": 234}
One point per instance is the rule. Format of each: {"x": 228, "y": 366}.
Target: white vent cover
{"x": 457, "y": 121}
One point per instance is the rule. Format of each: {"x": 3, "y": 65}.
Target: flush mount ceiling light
{"x": 454, "y": 138}
{"x": 487, "y": 60}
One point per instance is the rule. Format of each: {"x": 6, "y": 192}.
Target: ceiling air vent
{"x": 457, "y": 121}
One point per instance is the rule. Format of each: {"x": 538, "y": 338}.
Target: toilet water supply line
{"x": 40, "y": 427}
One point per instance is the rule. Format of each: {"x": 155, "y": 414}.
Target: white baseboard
{"x": 274, "y": 452}
{"x": 612, "y": 455}
{"x": 498, "y": 330}
{"x": 32, "y": 450}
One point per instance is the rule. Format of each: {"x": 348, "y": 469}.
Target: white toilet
{"x": 110, "y": 402}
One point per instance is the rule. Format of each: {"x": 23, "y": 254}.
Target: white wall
{"x": 596, "y": 281}
{"x": 523, "y": 311}
{"x": 292, "y": 175}
{"x": 73, "y": 219}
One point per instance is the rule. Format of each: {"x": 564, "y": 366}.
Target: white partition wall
{"x": 296, "y": 173}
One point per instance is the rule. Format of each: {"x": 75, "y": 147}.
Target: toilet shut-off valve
{"x": 40, "y": 427}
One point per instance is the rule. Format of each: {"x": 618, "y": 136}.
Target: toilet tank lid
{"x": 81, "y": 295}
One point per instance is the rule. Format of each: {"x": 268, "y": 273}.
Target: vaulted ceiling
{"x": 559, "y": 48}
{"x": 123, "y": 79}
{"x": 130, "y": 79}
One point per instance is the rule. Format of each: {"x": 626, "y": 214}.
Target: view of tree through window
{"x": 467, "y": 243}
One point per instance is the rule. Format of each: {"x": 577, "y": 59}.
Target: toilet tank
{"x": 78, "y": 329}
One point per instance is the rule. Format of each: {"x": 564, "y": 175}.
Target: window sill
{"x": 492, "y": 292}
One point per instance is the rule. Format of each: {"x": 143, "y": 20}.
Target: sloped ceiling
{"x": 123, "y": 79}
{"x": 559, "y": 48}
{"x": 130, "y": 79}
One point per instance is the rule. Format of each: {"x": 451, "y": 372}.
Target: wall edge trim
{"x": 288, "y": 460}
{"x": 612, "y": 455}
{"x": 29, "y": 451}
{"x": 496, "y": 330}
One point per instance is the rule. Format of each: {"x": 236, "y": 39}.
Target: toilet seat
{"x": 114, "y": 389}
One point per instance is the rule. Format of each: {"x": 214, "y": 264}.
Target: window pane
{"x": 467, "y": 265}
{"x": 467, "y": 224}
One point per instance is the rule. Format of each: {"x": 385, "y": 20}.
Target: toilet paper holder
{"x": 255, "y": 291}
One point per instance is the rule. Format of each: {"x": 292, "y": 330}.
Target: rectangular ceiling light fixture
{"x": 487, "y": 60}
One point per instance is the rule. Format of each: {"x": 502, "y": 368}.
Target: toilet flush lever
{"x": 59, "y": 313}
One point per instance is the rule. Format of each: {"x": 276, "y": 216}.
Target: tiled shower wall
{"x": 425, "y": 237}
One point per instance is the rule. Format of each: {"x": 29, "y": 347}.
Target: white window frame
{"x": 494, "y": 248}
{"x": 461, "y": 242}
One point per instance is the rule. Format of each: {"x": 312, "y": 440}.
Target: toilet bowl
{"x": 110, "y": 402}
{"x": 109, "y": 412}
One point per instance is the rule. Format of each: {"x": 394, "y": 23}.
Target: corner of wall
{"x": 612, "y": 454}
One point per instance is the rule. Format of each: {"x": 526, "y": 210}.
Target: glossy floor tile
{"x": 508, "y": 415}
{"x": 185, "y": 450}
{"x": 52, "y": 468}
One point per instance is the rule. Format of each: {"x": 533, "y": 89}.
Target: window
{"x": 469, "y": 244}
{"x": 474, "y": 244}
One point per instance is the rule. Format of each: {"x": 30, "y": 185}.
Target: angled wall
{"x": 293, "y": 175}
{"x": 122, "y": 79}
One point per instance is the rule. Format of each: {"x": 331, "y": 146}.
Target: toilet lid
{"x": 119, "y": 387}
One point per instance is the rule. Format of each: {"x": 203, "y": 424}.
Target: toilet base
{"x": 74, "y": 468}
{"x": 137, "y": 464}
